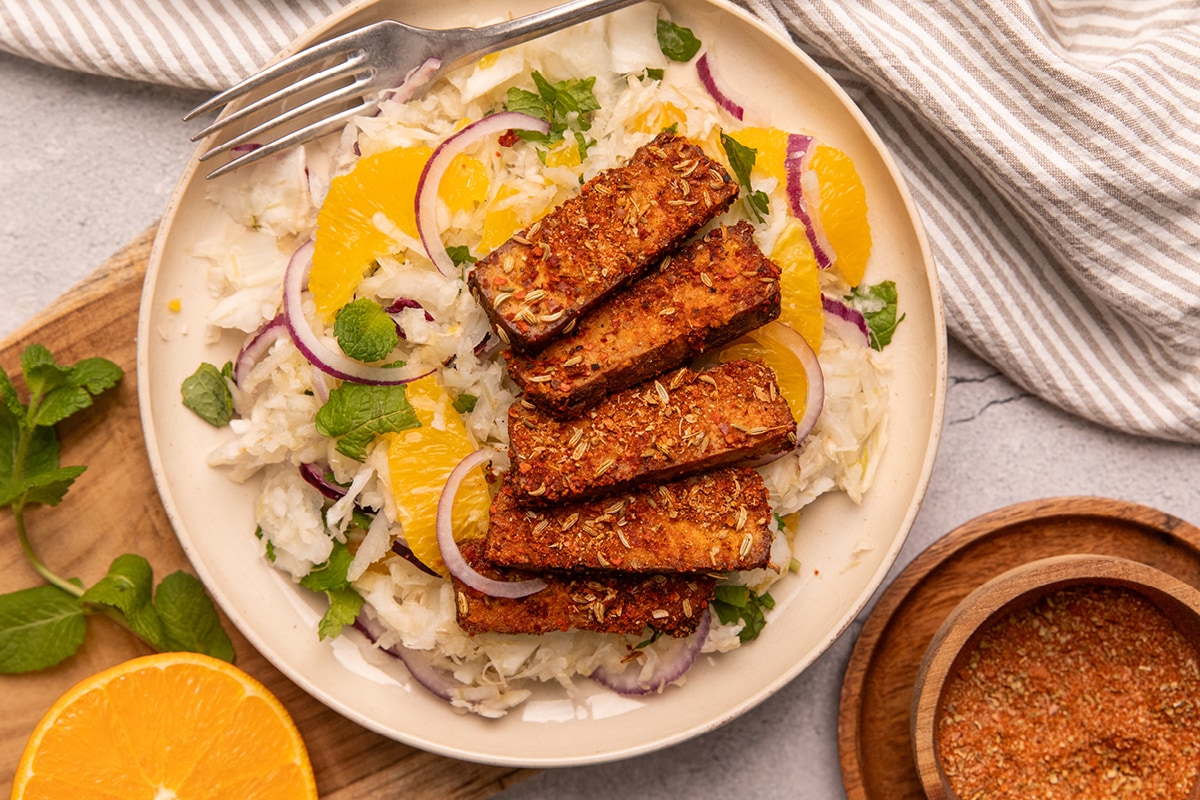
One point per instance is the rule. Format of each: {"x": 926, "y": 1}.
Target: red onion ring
{"x": 849, "y": 322}
{"x": 318, "y": 354}
{"x": 435, "y": 681}
{"x": 670, "y": 669}
{"x": 256, "y": 347}
{"x": 708, "y": 80}
{"x": 435, "y": 168}
{"x": 799, "y": 179}
{"x": 453, "y": 557}
{"x": 314, "y": 476}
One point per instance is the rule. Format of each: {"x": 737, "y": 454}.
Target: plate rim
{"x": 872, "y": 586}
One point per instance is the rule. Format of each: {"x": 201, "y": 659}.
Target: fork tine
{"x": 296, "y": 137}
{"x": 336, "y": 45}
{"x": 344, "y": 93}
{"x": 344, "y": 68}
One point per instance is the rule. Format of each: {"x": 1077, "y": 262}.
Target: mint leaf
{"x": 331, "y": 574}
{"x": 733, "y": 603}
{"x": 460, "y": 254}
{"x": 66, "y": 390}
{"x": 207, "y": 393}
{"x": 190, "y": 619}
{"x": 879, "y": 304}
{"x": 741, "y": 161}
{"x": 127, "y": 590}
{"x": 355, "y": 414}
{"x": 566, "y": 105}
{"x": 465, "y": 403}
{"x": 39, "y": 628}
{"x": 344, "y": 605}
{"x": 45, "y": 488}
{"x": 330, "y": 578}
{"x": 677, "y": 43}
{"x": 8, "y": 396}
{"x": 365, "y": 331}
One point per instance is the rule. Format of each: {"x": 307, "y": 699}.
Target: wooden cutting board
{"x": 113, "y": 508}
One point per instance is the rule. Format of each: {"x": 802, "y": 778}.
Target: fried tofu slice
{"x": 654, "y": 432}
{"x": 717, "y": 521}
{"x": 703, "y": 296}
{"x": 605, "y": 603}
{"x": 534, "y": 286}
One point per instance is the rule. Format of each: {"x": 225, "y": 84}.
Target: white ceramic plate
{"x": 845, "y": 549}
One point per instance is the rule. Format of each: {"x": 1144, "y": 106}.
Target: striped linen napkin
{"x": 1053, "y": 147}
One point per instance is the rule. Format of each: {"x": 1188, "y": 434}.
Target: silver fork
{"x": 387, "y": 58}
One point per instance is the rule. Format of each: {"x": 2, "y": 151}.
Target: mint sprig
{"x": 365, "y": 331}
{"x": 344, "y": 601}
{"x": 44, "y": 625}
{"x": 732, "y": 603}
{"x": 676, "y": 42}
{"x": 879, "y": 305}
{"x": 567, "y": 105}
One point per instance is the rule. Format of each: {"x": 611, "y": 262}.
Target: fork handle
{"x": 477, "y": 42}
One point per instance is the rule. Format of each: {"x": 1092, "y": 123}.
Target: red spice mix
{"x": 1091, "y": 693}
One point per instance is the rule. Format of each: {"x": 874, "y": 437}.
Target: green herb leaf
{"x": 741, "y": 160}
{"x": 566, "y": 105}
{"x": 652, "y": 74}
{"x": 733, "y": 603}
{"x": 879, "y": 304}
{"x": 355, "y": 414}
{"x": 465, "y": 403}
{"x": 365, "y": 331}
{"x": 39, "y": 627}
{"x": 676, "y": 42}
{"x": 190, "y": 619}
{"x": 206, "y": 392}
{"x": 344, "y": 605}
{"x": 460, "y": 254}
{"x": 127, "y": 590}
{"x": 330, "y": 578}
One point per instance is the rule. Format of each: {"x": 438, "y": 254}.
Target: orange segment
{"x": 771, "y": 144}
{"x": 767, "y": 346}
{"x": 659, "y": 115}
{"x": 348, "y": 238}
{"x": 421, "y": 459}
{"x": 166, "y": 725}
{"x": 464, "y": 187}
{"x": 843, "y": 211}
{"x": 799, "y": 284}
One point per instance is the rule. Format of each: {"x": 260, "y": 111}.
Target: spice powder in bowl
{"x": 1091, "y": 692}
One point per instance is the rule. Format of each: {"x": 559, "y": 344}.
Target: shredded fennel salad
{"x": 326, "y": 514}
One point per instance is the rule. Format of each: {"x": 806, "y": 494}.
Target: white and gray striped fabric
{"x": 1053, "y": 147}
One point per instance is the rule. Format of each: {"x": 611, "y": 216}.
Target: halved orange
{"x": 420, "y": 460}
{"x": 168, "y": 725}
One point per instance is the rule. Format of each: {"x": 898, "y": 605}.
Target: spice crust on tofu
{"x": 717, "y": 521}
{"x": 683, "y": 423}
{"x": 604, "y": 603}
{"x": 534, "y": 286}
{"x": 701, "y": 297}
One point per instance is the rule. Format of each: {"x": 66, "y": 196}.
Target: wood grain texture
{"x": 114, "y": 508}
{"x": 875, "y": 748}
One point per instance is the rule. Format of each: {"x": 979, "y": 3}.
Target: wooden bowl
{"x": 1013, "y": 591}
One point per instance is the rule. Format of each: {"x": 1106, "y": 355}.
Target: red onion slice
{"x": 318, "y": 354}
{"x": 671, "y": 668}
{"x": 453, "y": 557}
{"x": 256, "y": 347}
{"x": 801, "y": 186}
{"x": 849, "y": 322}
{"x": 435, "y": 168}
{"x": 315, "y": 476}
{"x": 437, "y": 682}
{"x": 708, "y": 79}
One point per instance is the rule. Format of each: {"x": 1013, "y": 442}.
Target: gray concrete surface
{"x": 87, "y": 163}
